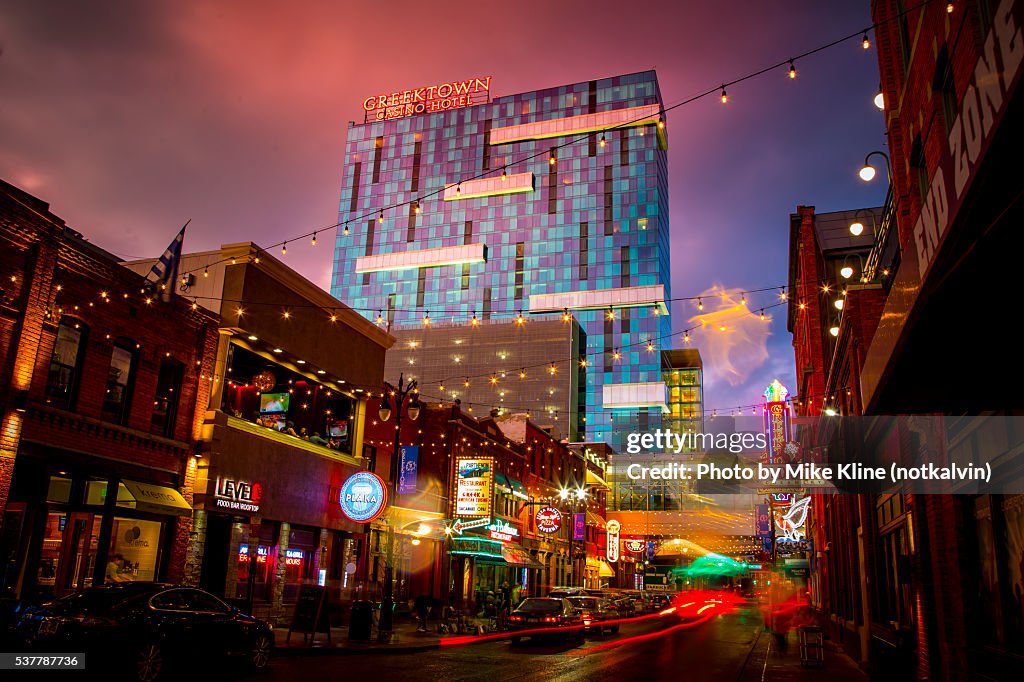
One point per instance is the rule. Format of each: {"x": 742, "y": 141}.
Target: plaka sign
{"x": 363, "y": 497}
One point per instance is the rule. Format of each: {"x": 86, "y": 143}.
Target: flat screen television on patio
{"x": 271, "y": 403}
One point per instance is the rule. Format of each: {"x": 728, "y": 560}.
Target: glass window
{"x": 165, "y": 403}
{"x": 65, "y": 366}
{"x": 201, "y": 601}
{"x": 171, "y": 600}
{"x": 137, "y": 543}
{"x": 119, "y": 377}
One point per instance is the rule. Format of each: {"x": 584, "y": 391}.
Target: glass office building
{"x": 529, "y": 204}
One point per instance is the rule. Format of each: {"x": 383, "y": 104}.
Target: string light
{"x": 426, "y": 319}
{"x": 602, "y": 142}
{"x": 466, "y": 382}
{"x": 344, "y": 232}
{"x": 782, "y": 295}
{"x": 380, "y": 317}
{"x": 475, "y": 322}
{"x": 284, "y": 249}
{"x": 504, "y": 175}
{"x": 565, "y": 315}
{"x": 312, "y": 242}
{"x": 762, "y": 314}
{"x": 520, "y": 320}
{"x": 725, "y": 97}
{"x": 522, "y": 372}
{"x": 583, "y": 362}
{"x": 865, "y": 42}
{"x": 611, "y": 313}
{"x": 333, "y": 317}
{"x": 416, "y": 207}
{"x": 650, "y": 346}
{"x": 494, "y": 380}
{"x": 206, "y": 272}
{"x": 792, "y": 69}
{"x": 552, "y": 370}
{"x": 661, "y": 122}
{"x": 700, "y": 304}
{"x": 949, "y": 8}
{"x": 552, "y": 158}
{"x": 616, "y": 355}
{"x": 743, "y": 298}
{"x": 686, "y": 336}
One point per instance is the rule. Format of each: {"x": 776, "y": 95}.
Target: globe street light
{"x": 867, "y": 172}
{"x": 399, "y": 393}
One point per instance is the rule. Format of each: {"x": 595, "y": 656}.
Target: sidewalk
{"x": 405, "y": 639}
{"x": 768, "y": 662}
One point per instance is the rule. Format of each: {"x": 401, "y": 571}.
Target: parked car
{"x": 563, "y": 592}
{"x": 146, "y": 628}
{"x": 640, "y": 604}
{"x": 535, "y": 613}
{"x": 623, "y": 606}
{"x": 595, "y": 612}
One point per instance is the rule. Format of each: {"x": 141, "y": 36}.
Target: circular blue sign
{"x": 363, "y": 497}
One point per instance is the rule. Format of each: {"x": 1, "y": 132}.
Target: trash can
{"x": 361, "y": 621}
{"x": 812, "y": 646}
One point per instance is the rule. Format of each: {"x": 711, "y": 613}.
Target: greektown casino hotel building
{"x": 534, "y": 204}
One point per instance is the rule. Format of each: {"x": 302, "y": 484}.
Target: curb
{"x": 381, "y": 650}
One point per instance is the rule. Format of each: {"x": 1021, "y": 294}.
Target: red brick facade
{"x": 52, "y": 275}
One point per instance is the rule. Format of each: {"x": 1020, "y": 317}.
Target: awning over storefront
{"x": 157, "y": 499}
{"x": 518, "y": 489}
{"x": 595, "y": 520}
{"x": 501, "y": 481}
{"x": 594, "y": 479}
{"x": 605, "y": 570}
{"x": 517, "y": 556}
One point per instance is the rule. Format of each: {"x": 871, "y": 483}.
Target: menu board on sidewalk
{"x": 311, "y": 613}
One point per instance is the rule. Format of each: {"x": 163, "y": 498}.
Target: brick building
{"x": 99, "y": 385}
{"x": 914, "y": 585}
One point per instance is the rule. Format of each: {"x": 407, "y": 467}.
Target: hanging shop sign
{"x": 237, "y": 495}
{"x": 504, "y": 531}
{"x": 790, "y": 521}
{"x": 474, "y": 487}
{"x": 408, "y": 466}
{"x": 363, "y": 497}
{"x": 549, "y": 520}
{"x": 764, "y": 520}
{"x": 612, "y": 548}
{"x": 635, "y": 546}
{"x": 428, "y": 99}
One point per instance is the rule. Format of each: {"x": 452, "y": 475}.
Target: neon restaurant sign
{"x": 428, "y": 99}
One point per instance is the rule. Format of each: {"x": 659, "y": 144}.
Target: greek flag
{"x": 166, "y": 267}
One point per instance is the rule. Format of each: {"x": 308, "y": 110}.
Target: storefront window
{"x": 137, "y": 543}
{"x": 298, "y": 561}
{"x": 49, "y": 559}
{"x": 165, "y": 404}
{"x": 271, "y": 395}
{"x": 257, "y": 574}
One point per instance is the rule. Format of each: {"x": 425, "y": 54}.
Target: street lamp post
{"x": 574, "y": 497}
{"x": 867, "y": 171}
{"x": 399, "y": 393}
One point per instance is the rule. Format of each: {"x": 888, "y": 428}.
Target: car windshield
{"x": 583, "y": 602}
{"x": 537, "y": 605}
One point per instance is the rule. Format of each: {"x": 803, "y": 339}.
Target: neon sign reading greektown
{"x": 428, "y": 100}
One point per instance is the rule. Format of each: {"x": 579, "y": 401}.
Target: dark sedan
{"x": 543, "y": 616}
{"x": 146, "y": 628}
{"x": 595, "y": 612}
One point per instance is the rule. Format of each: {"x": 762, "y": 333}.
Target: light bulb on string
{"x": 475, "y": 322}
{"x": 426, "y": 319}
{"x": 520, "y": 320}
{"x": 762, "y": 314}
{"x": 700, "y": 304}
{"x": 312, "y": 242}
{"x": 792, "y": 69}
{"x": 552, "y": 157}
{"x": 566, "y": 317}
{"x": 725, "y": 97}
{"x": 416, "y": 207}
{"x": 206, "y": 272}
{"x": 345, "y": 231}
{"x": 504, "y": 175}
{"x": 782, "y": 295}
{"x": 602, "y": 142}
{"x": 380, "y": 317}
{"x": 865, "y": 42}
{"x": 380, "y": 217}
{"x": 686, "y": 337}
{"x": 284, "y": 249}
{"x": 661, "y": 122}
{"x": 949, "y": 8}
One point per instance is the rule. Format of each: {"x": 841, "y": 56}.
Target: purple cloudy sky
{"x": 131, "y": 117}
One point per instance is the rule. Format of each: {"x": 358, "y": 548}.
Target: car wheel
{"x": 259, "y": 654}
{"x": 149, "y": 662}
